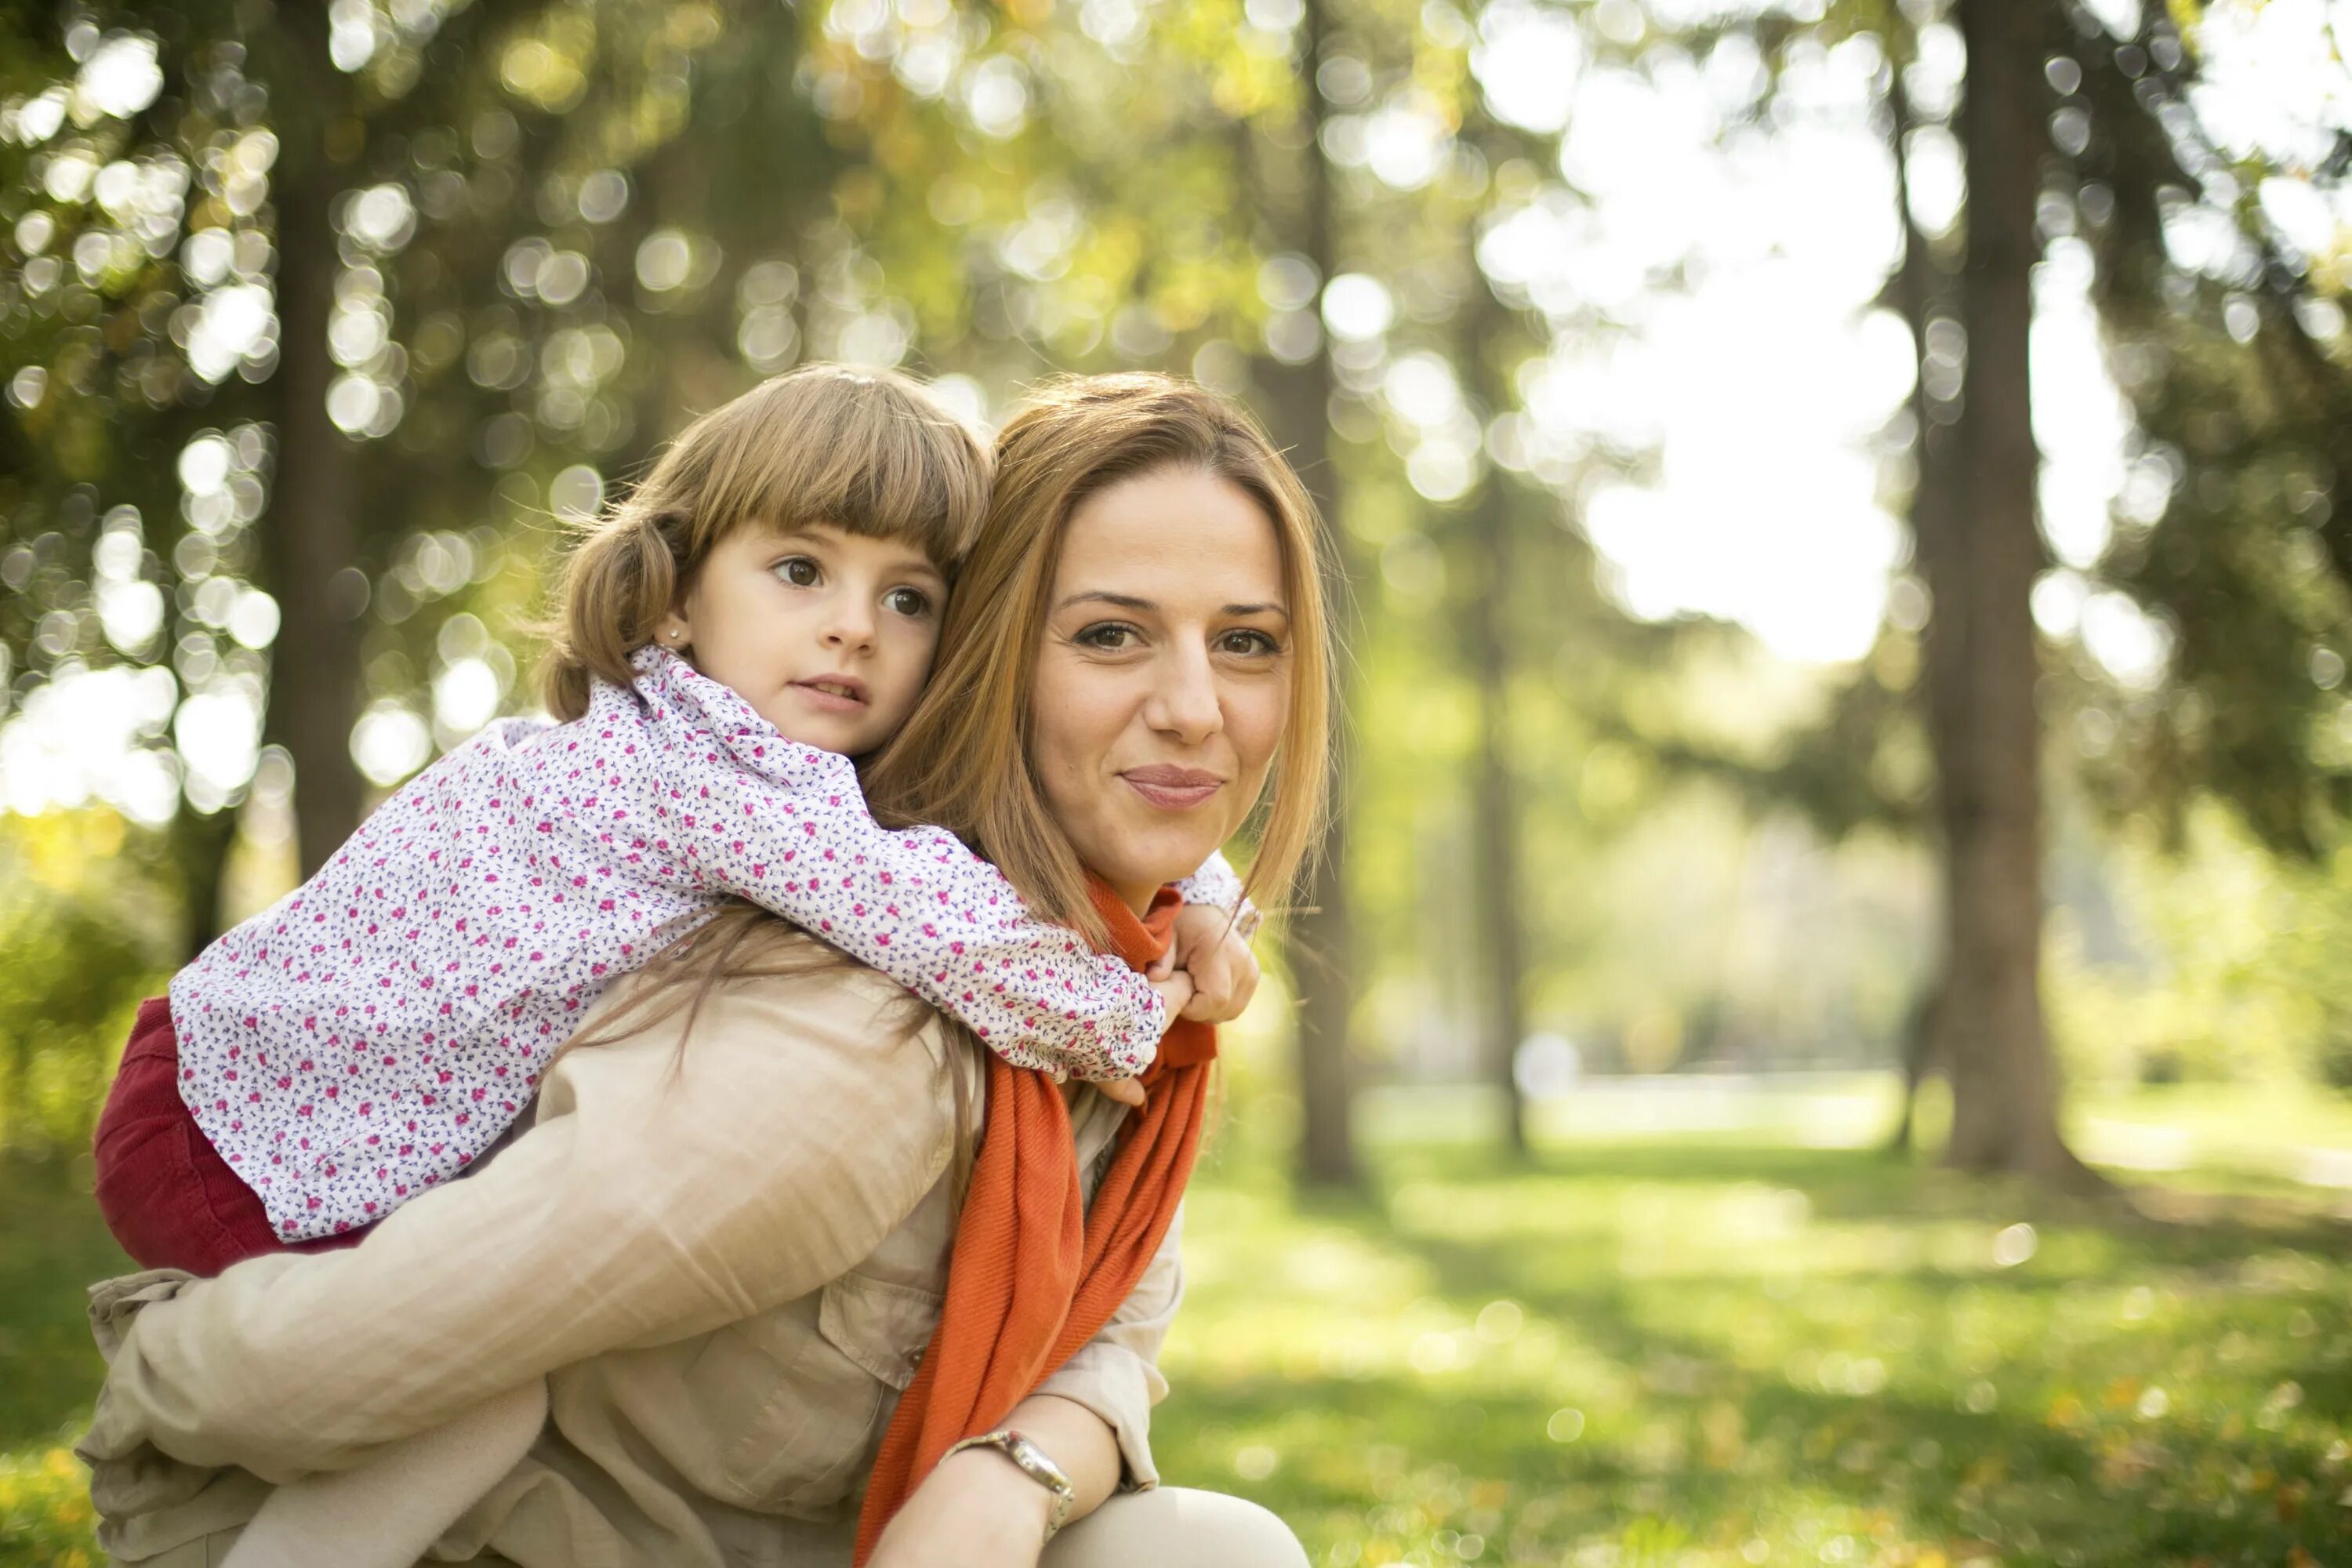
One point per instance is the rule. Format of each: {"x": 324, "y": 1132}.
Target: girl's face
{"x": 828, "y": 635}
{"x": 1164, "y": 677}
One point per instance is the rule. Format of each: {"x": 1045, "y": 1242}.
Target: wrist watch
{"x": 1034, "y": 1463}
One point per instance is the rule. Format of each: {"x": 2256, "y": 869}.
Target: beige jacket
{"x": 725, "y": 1259}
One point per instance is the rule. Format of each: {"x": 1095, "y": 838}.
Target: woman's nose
{"x": 1185, "y": 698}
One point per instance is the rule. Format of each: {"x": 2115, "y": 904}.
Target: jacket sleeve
{"x": 1116, "y": 1374}
{"x": 669, "y": 1187}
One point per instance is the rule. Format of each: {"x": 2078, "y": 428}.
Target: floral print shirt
{"x": 369, "y": 1034}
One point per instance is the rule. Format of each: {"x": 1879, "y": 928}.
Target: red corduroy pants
{"x": 169, "y": 1197}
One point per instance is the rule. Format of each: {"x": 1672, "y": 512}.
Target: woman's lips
{"x": 1172, "y": 788}
{"x": 832, "y": 696}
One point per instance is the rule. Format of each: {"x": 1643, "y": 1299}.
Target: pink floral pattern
{"x": 375, "y": 1030}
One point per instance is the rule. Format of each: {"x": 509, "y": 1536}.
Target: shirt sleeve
{"x": 1216, "y": 885}
{"x": 663, "y": 1192}
{"x": 1116, "y": 1374}
{"x": 757, "y": 816}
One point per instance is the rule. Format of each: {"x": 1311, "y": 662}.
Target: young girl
{"x": 762, "y": 609}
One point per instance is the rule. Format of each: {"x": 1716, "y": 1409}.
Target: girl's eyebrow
{"x": 824, "y": 533}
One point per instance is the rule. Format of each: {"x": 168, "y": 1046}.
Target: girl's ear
{"x": 672, "y": 631}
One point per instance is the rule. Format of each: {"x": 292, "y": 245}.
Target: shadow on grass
{"x": 2014, "y": 1408}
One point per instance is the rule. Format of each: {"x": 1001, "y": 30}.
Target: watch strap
{"x": 1032, "y": 1461}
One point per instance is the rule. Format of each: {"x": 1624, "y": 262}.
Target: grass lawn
{"x": 1692, "y": 1348}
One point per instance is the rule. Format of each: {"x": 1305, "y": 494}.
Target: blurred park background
{"x": 1837, "y": 500}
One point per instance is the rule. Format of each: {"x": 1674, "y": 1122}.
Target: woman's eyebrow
{"x": 1104, "y": 596}
{"x": 1129, "y": 601}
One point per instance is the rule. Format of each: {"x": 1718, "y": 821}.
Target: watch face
{"x": 1033, "y": 1458}
{"x": 1036, "y": 1464}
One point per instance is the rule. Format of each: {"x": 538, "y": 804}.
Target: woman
{"x": 725, "y": 1243}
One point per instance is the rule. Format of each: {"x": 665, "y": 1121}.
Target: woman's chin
{"x": 1153, "y": 854}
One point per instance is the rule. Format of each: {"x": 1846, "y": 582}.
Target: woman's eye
{"x": 1252, "y": 644}
{"x": 908, "y": 602}
{"x": 1108, "y": 636}
{"x": 799, "y": 570}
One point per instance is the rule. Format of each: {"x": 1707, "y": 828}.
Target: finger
{"x": 1175, "y": 993}
{"x": 1223, "y": 982}
{"x": 1212, "y": 1003}
{"x": 1161, "y": 967}
{"x": 1126, "y": 1090}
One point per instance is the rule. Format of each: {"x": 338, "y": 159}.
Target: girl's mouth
{"x": 834, "y": 694}
{"x": 1172, "y": 788}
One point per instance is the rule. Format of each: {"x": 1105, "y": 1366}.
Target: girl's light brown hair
{"x": 961, "y": 761}
{"x": 867, "y": 452}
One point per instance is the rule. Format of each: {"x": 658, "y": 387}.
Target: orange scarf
{"x": 1034, "y": 1274}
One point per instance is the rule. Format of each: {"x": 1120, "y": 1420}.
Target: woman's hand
{"x": 976, "y": 1510}
{"x": 1209, "y": 947}
{"x": 979, "y": 1510}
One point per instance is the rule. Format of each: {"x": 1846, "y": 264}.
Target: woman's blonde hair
{"x": 865, "y": 451}
{"x": 962, "y": 760}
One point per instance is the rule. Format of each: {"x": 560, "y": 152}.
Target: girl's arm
{"x": 663, "y": 1194}
{"x": 747, "y": 813}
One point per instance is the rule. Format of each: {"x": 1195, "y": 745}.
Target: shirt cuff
{"x": 1121, "y": 1387}
{"x": 1215, "y": 885}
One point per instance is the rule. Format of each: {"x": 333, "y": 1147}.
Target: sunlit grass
{"x": 1697, "y": 1353}
{"x": 1710, "y": 1349}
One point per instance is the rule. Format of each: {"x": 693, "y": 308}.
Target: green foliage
{"x": 78, "y": 966}
{"x": 2213, "y": 961}
{"x": 2236, "y": 533}
{"x": 51, "y": 1246}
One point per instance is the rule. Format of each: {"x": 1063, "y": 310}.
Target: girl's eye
{"x": 1106, "y": 636}
{"x": 799, "y": 570}
{"x": 1248, "y": 642}
{"x": 908, "y": 602}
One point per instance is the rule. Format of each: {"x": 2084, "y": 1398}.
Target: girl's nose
{"x": 849, "y": 626}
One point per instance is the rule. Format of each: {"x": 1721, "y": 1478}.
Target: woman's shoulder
{"x": 750, "y": 982}
{"x": 788, "y": 1030}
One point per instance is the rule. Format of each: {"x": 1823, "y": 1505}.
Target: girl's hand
{"x": 1210, "y": 949}
{"x": 1176, "y": 987}
{"x": 1128, "y": 1091}
{"x": 976, "y": 1510}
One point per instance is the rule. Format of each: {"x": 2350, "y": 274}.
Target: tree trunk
{"x": 1495, "y": 823}
{"x": 310, "y": 534}
{"x": 1982, "y": 665}
{"x": 1918, "y": 286}
{"x": 200, "y": 845}
{"x": 1497, "y": 828}
{"x": 1320, "y": 940}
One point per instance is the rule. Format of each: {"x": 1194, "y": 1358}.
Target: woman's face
{"x": 1163, "y": 678}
